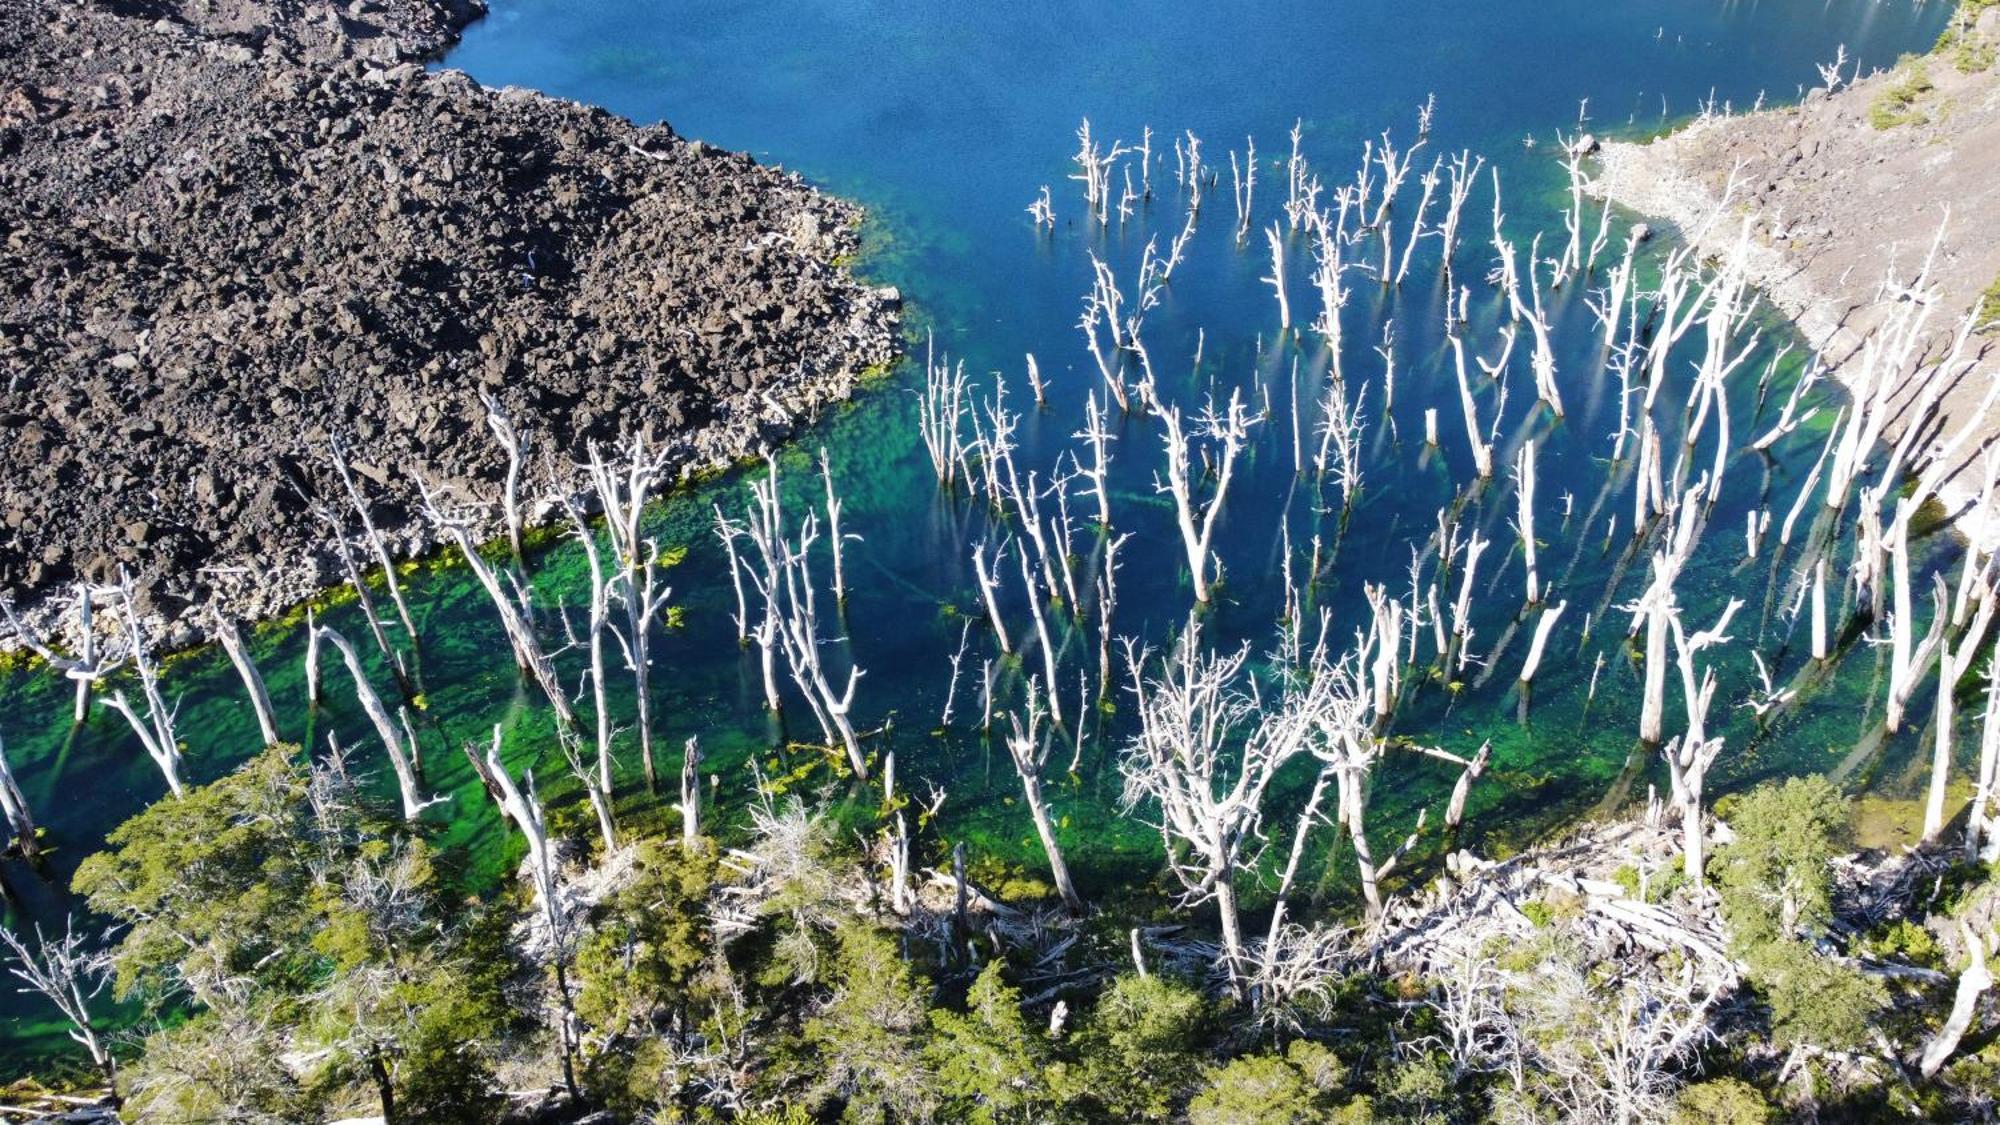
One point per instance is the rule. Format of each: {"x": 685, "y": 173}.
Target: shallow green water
{"x": 946, "y": 123}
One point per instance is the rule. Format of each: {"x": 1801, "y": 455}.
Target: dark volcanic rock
{"x": 231, "y": 230}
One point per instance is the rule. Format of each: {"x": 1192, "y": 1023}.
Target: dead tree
{"x": 1953, "y": 664}
{"x": 1657, "y": 610}
{"x": 1243, "y": 186}
{"x": 941, "y": 410}
{"x": 1301, "y": 188}
{"x": 597, "y": 623}
{"x": 833, "y": 532}
{"x": 1329, "y": 273}
{"x": 988, "y": 589}
{"x": 156, "y": 727}
{"x": 1482, "y": 453}
{"x": 1430, "y": 181}
{"x": 1972, "y": 984}
{"x": 1098, "y": 437}
{"x": 525, "y": 810}
{"x": 1049, "y": 654}
{"x": 1982, "y": 836}
{"x": 1544, "y": 625}
{"x": 70, "y": 975}
{"x": 1042, "y": 211}
{"x": 765, "y": 632}
{"x": 1275, "y": 236}
{"x": 1907, "y": 663}
{"x": 1690, "y": 755}
{"x": 690, "y": 802}
{"x": 1544, "y": 362}
{"x": 1206, "y": 752}
{"x": 1464, "y": 173}
{"x": 510, "y": 496}
{"x": 790, "y": 597}
{"x": 1028, "y": 748}
{"x": 14, "y": 806}
{"x": 376, "y": 544}
{"x": 85, "y": 668}
{"x": 1094, "y": 170}
{"x": 400, "y": 757}
{"x": 1340, "y": 430}
{"x": 1346, "y": 738}
{"x": 253, "y": 681}
{"x": 622, "y": 491}
{"x": 350, "y": 568}
{"x": 1524, "y": 519}
{"x": 1229, "y": 430}
{"x": 529, "y": 656}
{"x": 1395, "y": 169}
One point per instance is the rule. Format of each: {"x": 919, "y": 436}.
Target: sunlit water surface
{"x": 945, "y": 121}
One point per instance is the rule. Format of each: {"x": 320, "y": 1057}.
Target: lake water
{"x": 946, "y": 122}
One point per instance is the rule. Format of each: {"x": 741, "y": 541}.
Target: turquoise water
{"x": 946, "y": 123}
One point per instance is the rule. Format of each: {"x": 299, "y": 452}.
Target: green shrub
{"x": 1897, "y": 105}
{"x": 1904, "y": 940}
{"x": 990, "y": 1064}
{"x": 1136, "y": 1055}
{"x": 1961, "y": 43}
{"x": 1814, "y": 1000}
{"x": 1989, "y": 309}
{"x": 1774, "y": 877}
{"x": 1300, "y": 1087}
{"x": 1722, "y": 1101}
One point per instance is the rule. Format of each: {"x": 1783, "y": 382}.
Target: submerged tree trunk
{"x": 253, "y": 681}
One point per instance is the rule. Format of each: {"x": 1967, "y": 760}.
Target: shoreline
{"x": 245, "y": 231}
{"x": 1842, "y": 211}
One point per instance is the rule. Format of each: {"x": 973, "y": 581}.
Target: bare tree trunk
{"x": 1543, "y": 627}
{"x": 987, "y": 587}
{"x": 1972, "y": 984}
{"x": 1230, "y": 430}
{"x": 88, "y": 658}
{"x": 1524, "y": 520}
{"x": 510, "y": 501}
{"x": 159, "y": 747}
{"x": 239, "y": 655}
{"x": 14, "y": 805}
{"x": 1482, "y": 453}
{"x": 375, "y": 544}
{"x": 156, "y": 729}
{"x": 1029, "y": 753}
{"x": 528, "y": 653}
{"x": 598, "y": 620}
{"x": 833, "y": 522}
{"x": 371, "y": 703}
{"x": 690, "y": 805}
{"x": 1042, "y": 632}
{"x": 525, "y": 810}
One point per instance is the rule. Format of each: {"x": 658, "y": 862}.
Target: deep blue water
{"x": 946, "y": 122}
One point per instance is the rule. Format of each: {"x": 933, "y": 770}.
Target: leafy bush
{"x": 1905, "y": 940}
{"x": 1136, "y": 1054}
{"x": 1989, "y": 309}
{"x": 1773, "y": 878}
{"x": 989, "y": 1063}
{"x": 1299, "y": 1087}
{"x": 1814, "y": 1000}
{"x": 863, "y": 1049}
{"x": 648, "y": 941}
{"x": 1961, "y": 42}
{"x": 1722, "y": 1101}
{"x": 1897, "y": 105}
